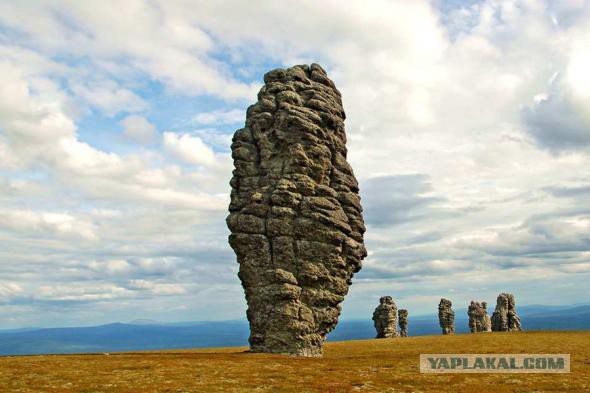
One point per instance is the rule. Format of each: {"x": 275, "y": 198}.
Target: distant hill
{"x": 123, "y": 337}
{"x": 147, "y": 334}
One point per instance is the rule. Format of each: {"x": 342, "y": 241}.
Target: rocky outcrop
{"x": 505, "y": 318}
{"x": 479, "y": 320}
{"x": 385, "y": 318}
{"x": 446, "y": 316}
{"x": 402, "y": 316}
{"x": 295, "y": 212}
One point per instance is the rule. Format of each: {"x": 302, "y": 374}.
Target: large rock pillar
{"x": 295, "y": 214}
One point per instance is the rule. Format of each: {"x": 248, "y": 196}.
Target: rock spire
{"x": 295, "y": 213}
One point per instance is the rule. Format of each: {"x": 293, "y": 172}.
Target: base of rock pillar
{"x": 313, "y": 352}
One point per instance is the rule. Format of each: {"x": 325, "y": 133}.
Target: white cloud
{"x": 46, "y": 223}
{"x": 167, "y": 46}
{"x": 220, "y": 117}
{"x": 190, "y": 149}
{"x": 559, "y": 118}
{"x": 78, "y": 293}
{"x": 537, "y": 236}
{"x": 139, "y": 129}
{"x": 82, "y": 159}
{"x": 109, "y": 97}
{"x": 162, "y": 289}
{"x": 31, "y": 112}
{"x": 116, "y": 266}
{"x": 557, "y": 122}
{"x": 9, "y": 289}
{"x": 576, "y": 73}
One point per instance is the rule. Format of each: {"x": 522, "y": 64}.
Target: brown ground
{"x": 387, "y": 365}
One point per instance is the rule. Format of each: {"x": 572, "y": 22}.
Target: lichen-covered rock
{"x": 295, "y": 213}
{"x": 505, "y": 318}
{"x": 446, "y": 316}
{"x": 479, "y": 320}
{"x": 402, "y": 316}
{"x": 385, "y": 318}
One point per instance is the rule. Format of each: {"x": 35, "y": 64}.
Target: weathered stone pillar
{"x": 505, "y": 318}
{"x": 385, "y": 318}
{"x": 479, "y": 320}
{"x": 403, "y": 322}
{"x": 295, "y": 213}
{"x": 446, "y": 316}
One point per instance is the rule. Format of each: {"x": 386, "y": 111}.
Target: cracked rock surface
{"x": 505, "y": 318}
{"x": 295, "y": 213}
{"x": 446, "y": 316}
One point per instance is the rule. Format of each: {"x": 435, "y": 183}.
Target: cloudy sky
{"x": 468, "y": 125}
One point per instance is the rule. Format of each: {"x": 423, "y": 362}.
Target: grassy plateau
{"x": 385, "y": 365}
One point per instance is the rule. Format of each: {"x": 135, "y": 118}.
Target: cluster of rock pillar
{"x": 295, "y": 213}
{"x": 386, "y": 318}
{"x": 504, "y": 318}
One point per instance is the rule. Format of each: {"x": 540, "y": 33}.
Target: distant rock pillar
{"x": 403, "y": 322}
{"x": 505, "y": 318}
{"x": 385, "y": 318}
{"x": 446, "y": 316}
{"x": 479, "y": 320}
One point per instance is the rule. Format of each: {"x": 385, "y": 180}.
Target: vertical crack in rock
{"x": 505, "y": 318}
{"x": 479, "y": 320}
{"x": 385, "y": 318}
{"x": 446, "y": 316}
{"x": 295, "y": 213}
{"x": 403, "y": 322}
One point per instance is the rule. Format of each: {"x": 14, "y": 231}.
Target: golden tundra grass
{"x": 386, "y": 365}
